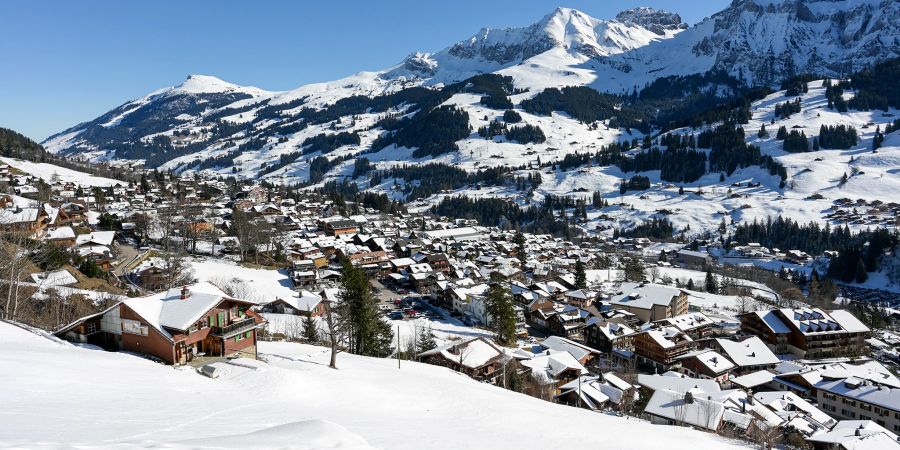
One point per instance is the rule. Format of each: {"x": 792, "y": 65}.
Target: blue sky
{"x": 65, "y": 62}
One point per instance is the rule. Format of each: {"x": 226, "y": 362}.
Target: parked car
{"x": 395, "y": 315}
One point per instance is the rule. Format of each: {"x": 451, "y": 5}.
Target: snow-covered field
{"x": 56, "y": 395}
{"x": 48, "y": 172}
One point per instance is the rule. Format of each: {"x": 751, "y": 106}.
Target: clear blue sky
{"x": 65, "y": 62}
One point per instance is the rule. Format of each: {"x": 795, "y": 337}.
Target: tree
{"x": 425, "y": 340}
{"x": 310, "y": 330}
{"x": 333, "y": 333}
{"x": 499, "y": 306}
{"x": 634, "y": 270}
{"x": 519, "y": 240}
{"x": 861, "y": 275}
{"x": 710, "y": 284}
{"x": 580, "y": 275}
{"x": 175, "y": 270}
{"x": 368, "y": 334}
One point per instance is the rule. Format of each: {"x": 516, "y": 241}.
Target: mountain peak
{"x": 207, "y": 84}
{"x": 656, "y": 20}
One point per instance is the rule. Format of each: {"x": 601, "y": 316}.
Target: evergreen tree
{"x": 762, "y": 134}
{"x": 710, "y": 285}
{"x": 425, "y": 340}
{"x": 580, "y": 275}
{"x": 519, "y": 240}
{"x": 861, "y": 274}
{"x": 369, "y": 335}
{"x": 310, "y": 330}
{"x": 690, "y": 284}
{"x": 499, "y": 306}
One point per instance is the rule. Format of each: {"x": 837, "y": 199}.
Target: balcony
{"x": 234, "y": 328}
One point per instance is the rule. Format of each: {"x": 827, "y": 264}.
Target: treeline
{"x": 587, "y": 106}
{"x": 837, "y": 137}
{"x": 877, "y": 87}
{"x": 786, "y": 109}
{"x": 505, "y": 214}
{"x": 659, "y": 228}
{"x": 431, "y": 133}
{"x": 326, "y": 143}
{"x": 635, "y": 183}
{"x": 857, "y": 253}
{"x": 525, "y": 134}
{"x": 425, "y": 180}
{"x": 345, "y": 190}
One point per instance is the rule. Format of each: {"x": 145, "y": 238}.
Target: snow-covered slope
{"x": 206, "y": 124}
{"x": 56, "y": 395}
{"x": 577, "y": 34}
{"x": 764, "y": 41}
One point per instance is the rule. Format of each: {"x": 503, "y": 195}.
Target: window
{"x": 91, "y": 327}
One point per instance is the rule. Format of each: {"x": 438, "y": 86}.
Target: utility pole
{"x": 579, "y": 390}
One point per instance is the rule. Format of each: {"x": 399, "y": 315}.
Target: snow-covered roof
{"x": 60, "y": 277}
{"x": 472, "y": 353}
{"x": 749, "y": 352}
{"x": 858, "y": 435}
{"x": 579, "y": 351}
{"x": 167, "y": 309}
{"x": 644, "y": 295}
{"x": 104, "y": 238}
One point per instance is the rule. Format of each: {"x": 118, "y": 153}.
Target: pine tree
{"x": 369, "y": 335}
{"x": 711, "y": 286}
{"x": 690, "y": 284}
{"x": 499, "y": 306}
{"x": 580, "y": 275}
{"x": 310, "y": 330}
{"x": 762, "y": 134}
{"x": 425, "y": 340}
{"x": 519, "y": 240}
{"x": 861, "y": 274}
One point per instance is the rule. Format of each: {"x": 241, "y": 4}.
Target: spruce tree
{"x": 711, "y": 286}
{"x": 310, "y": 330}
{"x": 861, "y": 274}
{"x": 369, "y": 335}
{"x": 425, "y": 340}
{"x": 499, "y": 305}
{"x": 580, "y": 275}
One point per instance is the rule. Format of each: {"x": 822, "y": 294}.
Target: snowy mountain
{"x": 208, "y": 125}
{"x": 765, "y": 41}
{"x": 566, "y": 29}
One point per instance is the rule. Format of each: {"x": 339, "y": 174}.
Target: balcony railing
{"x": 241, "y": 325}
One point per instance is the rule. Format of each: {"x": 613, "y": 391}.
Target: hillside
{"x": 57, "y": 396}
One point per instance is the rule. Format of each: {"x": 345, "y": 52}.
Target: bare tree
{"x": 332, "y": 331}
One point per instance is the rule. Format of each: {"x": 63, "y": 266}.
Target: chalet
{"x": 650, "y": 302}
{"x": 706, "y": 364}
{"x": 695, "y": 324}
{"x": 307, "y": 304}
{"x": 606, "y": 335}
{"x": 476, "y": 357}
{"x": 175, "y": 326}
{"x": 152, "y": 277}
{"x": 595, "y": 393}
{"x": 661, "y": 347}
{"x": 691, "y": 258}
{"x": 63, "y": 237}
{"x": 340, "y": 227}
{"x": 749, "y": 355}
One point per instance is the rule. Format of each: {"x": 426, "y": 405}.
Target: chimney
{"x": 185, "y": 293}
